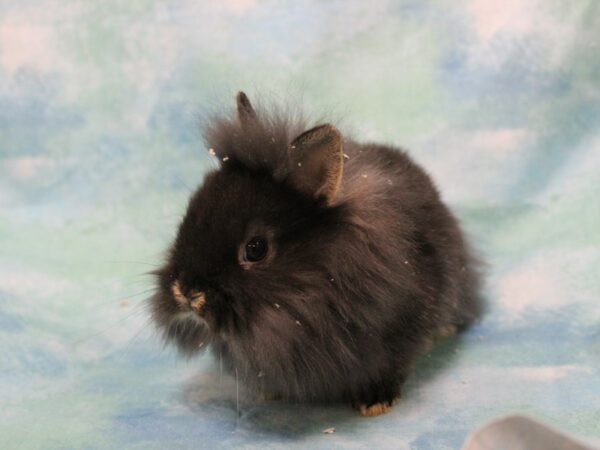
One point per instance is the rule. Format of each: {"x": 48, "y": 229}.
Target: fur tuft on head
{"x": 276, "y": 143}
{"x": 256, "y": 140}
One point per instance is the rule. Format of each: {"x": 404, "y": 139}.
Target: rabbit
{"x": 318, "y": 268}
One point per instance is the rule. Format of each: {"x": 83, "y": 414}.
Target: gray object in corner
{"x": 517, "y": 432}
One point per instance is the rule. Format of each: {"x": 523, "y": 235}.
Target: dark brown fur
{"x": 355, "y": 285}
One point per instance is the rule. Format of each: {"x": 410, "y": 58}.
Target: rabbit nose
{"x": 195, "y": 299}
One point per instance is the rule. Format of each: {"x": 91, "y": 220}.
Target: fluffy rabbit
{"x": 317, "y": 267}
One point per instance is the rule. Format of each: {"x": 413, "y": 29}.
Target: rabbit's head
{"x": 255, "y": 239}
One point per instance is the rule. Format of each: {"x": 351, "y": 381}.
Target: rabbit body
{"x": 318, "y": 268}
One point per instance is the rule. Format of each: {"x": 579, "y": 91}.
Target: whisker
{"x": 131, "y": 341}
{"x": 180, "y": 180}
{"x": 119, "y": 299}
{"x": 133, "y": 262}
{"x": 136, "y": 310}
{"x": 135, "y": 280}
{"x": 237, "y": 395}
{"x": 171, "y": 215}
{"x": 128, "y": 296}
{"x": 143, "y": 327}
{"x": 126, "y": 282}
{"x": 220, "y": 366}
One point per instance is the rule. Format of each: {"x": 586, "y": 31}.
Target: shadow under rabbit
{"x": 212, "y": 394}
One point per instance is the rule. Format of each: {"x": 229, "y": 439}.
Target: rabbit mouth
{"x": 189, "y": 331}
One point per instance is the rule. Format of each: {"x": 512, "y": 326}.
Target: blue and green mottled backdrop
{"x": 99, "y": 149}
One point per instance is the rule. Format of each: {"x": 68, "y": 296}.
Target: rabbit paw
{"x": 376, "y": 408}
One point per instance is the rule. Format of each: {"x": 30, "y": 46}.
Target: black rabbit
{"x": 319, "y": 268}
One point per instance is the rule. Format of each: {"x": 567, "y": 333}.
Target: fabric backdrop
{"x": 100, "y": 103}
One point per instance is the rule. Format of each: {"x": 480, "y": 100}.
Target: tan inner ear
{"x": 318, "y": 159}
{"x": 333, "y": 173}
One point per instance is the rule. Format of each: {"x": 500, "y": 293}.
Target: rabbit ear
{"x": 317, "y": 159}
{"x": 245, "y": 111}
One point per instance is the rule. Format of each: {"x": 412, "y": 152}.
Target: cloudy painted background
{"x": 99, "y": 148}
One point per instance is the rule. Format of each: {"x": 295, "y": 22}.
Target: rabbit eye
{"x": 256, "y": 249}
